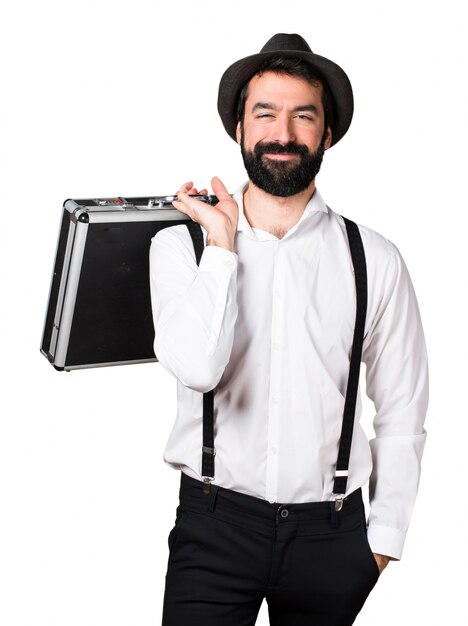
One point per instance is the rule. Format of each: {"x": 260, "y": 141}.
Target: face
{"x": 283, "y": 136}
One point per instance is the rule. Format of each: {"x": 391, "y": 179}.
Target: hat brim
{"x": 240, "y": 72}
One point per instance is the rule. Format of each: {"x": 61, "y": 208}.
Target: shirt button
{"x": 272, "y": 499}
{"x": 276, "y": 399}
{"x": 274, "y": 450}
{"x": 276, "y": 346}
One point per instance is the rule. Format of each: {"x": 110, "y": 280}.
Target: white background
{"x": 112, "y": 97}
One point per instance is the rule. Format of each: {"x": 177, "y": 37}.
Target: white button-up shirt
{"x": 271, "y": 325}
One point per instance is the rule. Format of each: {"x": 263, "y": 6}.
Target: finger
{"x": 186, "y": 186}
{"x": 182, "y": 196}
{"x": 194, "y": 191}
{"x": 220, "y": 190}
{"x": 191, "y": 204}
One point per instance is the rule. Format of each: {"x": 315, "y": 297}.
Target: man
{"x": 267, "y": 320}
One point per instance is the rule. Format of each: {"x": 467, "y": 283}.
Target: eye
{"x": 264, "y": 115}
{"x": 305, "y": 117}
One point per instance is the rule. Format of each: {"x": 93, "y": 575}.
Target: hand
{"x": 219, "y": 221}
{"x": 382, "y": 561}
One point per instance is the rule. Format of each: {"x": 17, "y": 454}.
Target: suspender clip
{"x": 334, "y": 509}
{"x": 339, "y": 502}
{"x": 207, "y": 485}
{"x": 341, "y": 478}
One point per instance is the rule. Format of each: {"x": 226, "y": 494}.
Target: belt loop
{"x": 213, "y": 494}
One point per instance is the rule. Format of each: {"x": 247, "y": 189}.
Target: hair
{"x": 292, "y": 66}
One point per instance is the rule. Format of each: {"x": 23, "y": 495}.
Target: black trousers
{"x": 228, "y": 551}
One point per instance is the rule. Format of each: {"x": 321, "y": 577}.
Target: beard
{"x": 282, "y": 178}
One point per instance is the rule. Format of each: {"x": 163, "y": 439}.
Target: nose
{"x": 283, "y": 129}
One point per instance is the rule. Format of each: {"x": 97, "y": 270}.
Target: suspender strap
{"x": 196, "y": 233}
{"x": 360, "y": 276}
{"x": 208, "y": 449}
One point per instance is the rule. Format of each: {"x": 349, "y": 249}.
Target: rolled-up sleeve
{"x": 194, "y": 308}
{"x": 397, "y": 382}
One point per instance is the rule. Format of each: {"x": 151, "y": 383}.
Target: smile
{"x": 281, "y": 156}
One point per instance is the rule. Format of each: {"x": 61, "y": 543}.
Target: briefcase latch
{"x": 114, "y": 204}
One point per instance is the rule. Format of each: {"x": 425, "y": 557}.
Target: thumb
{"x": 220, "y": 190}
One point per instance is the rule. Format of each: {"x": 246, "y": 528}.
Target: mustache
{"x": 274, "y": 147}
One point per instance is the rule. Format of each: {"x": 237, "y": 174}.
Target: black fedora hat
{"x": 292, "y": 46}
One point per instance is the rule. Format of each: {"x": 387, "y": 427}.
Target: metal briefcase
{"x": 99, "y": 309}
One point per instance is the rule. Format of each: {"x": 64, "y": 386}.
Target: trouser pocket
{"x": 330, "y": 573}
{"x": 174, "y": 533}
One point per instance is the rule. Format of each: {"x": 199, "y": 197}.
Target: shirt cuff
{"x": 386, "y": 540}
{"x": 218, "y": 259}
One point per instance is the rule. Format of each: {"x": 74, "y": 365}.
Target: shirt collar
{"x": 315, "y": 204}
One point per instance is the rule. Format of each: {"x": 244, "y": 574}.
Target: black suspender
{"x": 208, "y": 449}
{"x": 341, "y": 472}
{"x": 360, "y": 277}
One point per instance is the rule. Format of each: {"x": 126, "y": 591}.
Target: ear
{"x": 238, "y": 132}
{"x": 328, "y": 138}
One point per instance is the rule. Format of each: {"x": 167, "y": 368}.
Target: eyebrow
{"x": 268, "y": 105}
